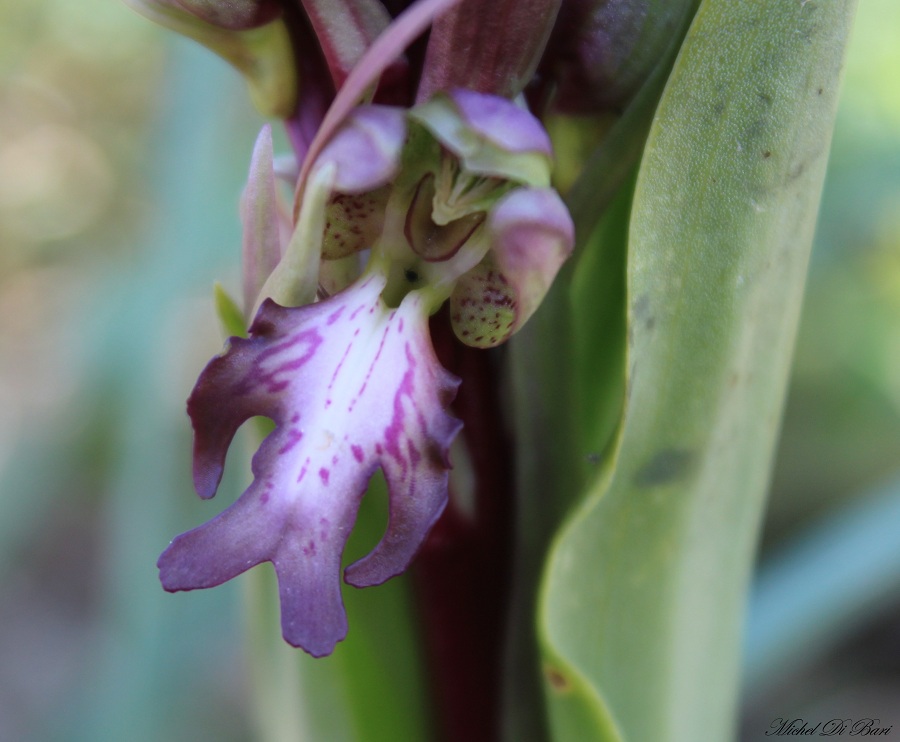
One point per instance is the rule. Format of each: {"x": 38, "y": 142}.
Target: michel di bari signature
{"x": 831, "y": 728}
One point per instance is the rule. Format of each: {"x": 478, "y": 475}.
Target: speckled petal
{"x": 531, "y": 236}
{"x": 353, "y": 222}
{"x": 483, "y": 306}
{"x": 352, "y": 385}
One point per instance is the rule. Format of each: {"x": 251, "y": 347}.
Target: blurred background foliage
{"x": 122, "y": 154}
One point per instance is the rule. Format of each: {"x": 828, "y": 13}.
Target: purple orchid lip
{"x": 352, "y": 382}
{"x": 352, "y": 386}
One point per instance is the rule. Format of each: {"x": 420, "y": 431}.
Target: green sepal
{"x": 228, "y": 312}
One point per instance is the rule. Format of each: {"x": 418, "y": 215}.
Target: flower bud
{"x": 235, "y": 15}
{"x": 491, "y": 47}
{"x": 601, "y": 51}
{"x": 249, "y": 34}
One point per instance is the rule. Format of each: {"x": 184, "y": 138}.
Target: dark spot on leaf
{"x": 665, "y": 467}
{"x": 767, "y": 154}
{"x": 641, "y": 307}
{"x": 643, "y": 312}
{"x": 796, "y": 171}
{"x": 557, "y": 680}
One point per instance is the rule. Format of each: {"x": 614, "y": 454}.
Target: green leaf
{"x": 567, "y": 370}
{"x": 643, "y": 591}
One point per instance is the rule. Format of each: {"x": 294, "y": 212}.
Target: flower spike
{"x": 396, "y": 211}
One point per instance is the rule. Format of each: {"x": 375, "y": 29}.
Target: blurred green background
{"x": 122, "y": 154}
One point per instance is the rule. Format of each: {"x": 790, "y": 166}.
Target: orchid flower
{"x": 398, "y": 211}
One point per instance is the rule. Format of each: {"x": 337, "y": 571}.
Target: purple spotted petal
{"x": 353, "y": 223}
{"x": 352, "y": 385}
{"x": 531, "y": 236}
{"x": 366, "y": 154}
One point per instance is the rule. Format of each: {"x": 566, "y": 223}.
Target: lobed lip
{"x": 352, "y": 386}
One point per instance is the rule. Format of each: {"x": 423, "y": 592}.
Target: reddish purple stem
{"x": 462, "y": 572}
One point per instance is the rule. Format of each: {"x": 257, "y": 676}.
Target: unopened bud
{"x": 601, "y": 51}
{"x": 250, "y": 34}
